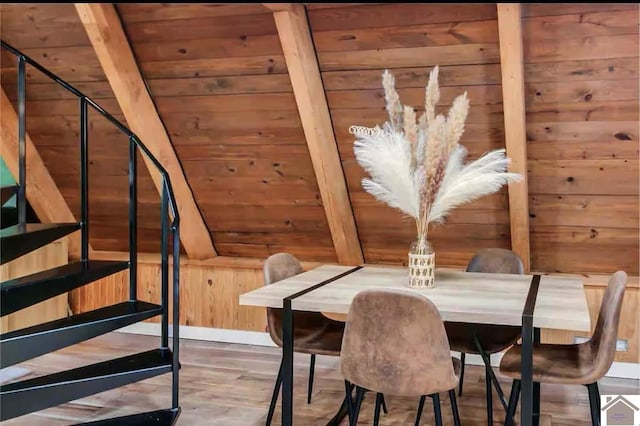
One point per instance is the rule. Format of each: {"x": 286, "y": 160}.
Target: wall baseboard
{"x": 624, "y": 370}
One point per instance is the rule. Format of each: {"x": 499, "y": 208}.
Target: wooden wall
{"x": 581, "y": 74}
{"x": 53, "y": 35}
{"x": 210, "y": 291}
{"x": 354, "y": 45}
{"x": 50, "y": 256}
{"x": 220, "y": 83}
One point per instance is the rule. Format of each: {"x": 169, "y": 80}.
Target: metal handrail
{"x": 168, "y": 202}
{"x": 124, "y": 129}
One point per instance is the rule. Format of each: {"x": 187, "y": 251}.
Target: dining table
{"x": 531, "y": 301}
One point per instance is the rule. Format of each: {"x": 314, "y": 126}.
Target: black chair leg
{"x": 348, "y": 388}
{"x": 436, "y": 409}
{"x": 594, "y": 403}
{"x": 312, "y": 367}
{"x": 454, "y": 408}
{"x": 384, "y": 405}
{"x": 490, "y": 375}
{"x": 420, "y": 408}
{"x": 358, "y": 404}
{"x": 489, "y": 392}
{"x": 274, "y": 397}
{"x": 513, "y": 403}
{"x": 462, "y": 356}
{"x": 376, "y": 414}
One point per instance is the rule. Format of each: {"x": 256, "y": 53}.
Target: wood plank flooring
{"x": 230, "y": 384}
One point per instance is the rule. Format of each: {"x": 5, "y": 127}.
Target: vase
{"x": 421, "y": 264}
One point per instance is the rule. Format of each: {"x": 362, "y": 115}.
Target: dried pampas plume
{"x": 417, "y": 166}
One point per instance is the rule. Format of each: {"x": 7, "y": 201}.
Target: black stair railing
{"x": 168, "y": 206}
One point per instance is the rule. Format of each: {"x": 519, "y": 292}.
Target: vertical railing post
{"x": 164, "y": 225}
{"x": 84, "y": 179}
{"x": 176, "y": 314}
{"x": 22, "y": 144}
{"x": 133, "y": 219}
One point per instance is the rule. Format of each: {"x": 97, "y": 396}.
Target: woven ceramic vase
{"x": 421, "y": 264}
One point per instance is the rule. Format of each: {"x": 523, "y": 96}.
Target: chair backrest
{"x": 395, "y": 342}
{"x": 605, "y": 335}
{"x": 280, "y": 266}
{"x": 276, "y": 268}
{"x": 497, "y": 261}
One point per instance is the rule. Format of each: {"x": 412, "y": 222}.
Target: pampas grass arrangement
{"x": 417, "y": 166}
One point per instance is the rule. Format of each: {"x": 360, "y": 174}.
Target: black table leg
{"x": 287, "y": 346}
{"x": 287, "y": 364}
{"x": 526, "y": 365}
{"x": 536, "y": 385}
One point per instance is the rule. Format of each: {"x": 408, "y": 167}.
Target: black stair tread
{"x": 160, "y": 417}
{"x": 7, "y": 192}
{"x": 21, "y": 345}
{"x": 102, "y": 314}
{"x": 25, "y": 228}
{"x": 22, "y": 292}
{"x": 155, "y": 359}
{"x": 64, "y": 272}
{"x": 18, "y": 240}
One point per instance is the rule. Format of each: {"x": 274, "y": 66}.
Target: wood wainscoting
{"x": 210, "y": 290}
{"x": 49, "y": 256}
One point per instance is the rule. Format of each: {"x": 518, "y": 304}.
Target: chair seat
{"x": 457, "y": 366}
{"x": 560, "y": 364}
{"x": 323, "y": 339}
{"x": 493, "y": 338}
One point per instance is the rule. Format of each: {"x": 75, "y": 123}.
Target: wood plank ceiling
{"x": 354, "y": 45}
{"x": 53, "y": 35}
{"x": 220, "y": 84}
{"x": 221, "y": 87}
{"x": 581, "y": 69}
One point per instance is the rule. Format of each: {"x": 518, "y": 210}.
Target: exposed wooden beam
{"x": 304, "y": 72}
{"x": 513, "y": 95}
{"x": 278, "y": 7}
{"x": 42, "y": 192}
{"x": 108, "y": 38}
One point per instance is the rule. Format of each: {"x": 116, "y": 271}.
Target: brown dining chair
{"x": 314, "y": 333}
{"x": 486, "y": 339}
{"x": 577, "y": 364}
{"x": 395, "y": 343}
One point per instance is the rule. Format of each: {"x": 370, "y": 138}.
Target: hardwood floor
{"x": 229, "y": 384}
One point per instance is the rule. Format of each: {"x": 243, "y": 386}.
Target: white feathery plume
{"x": 465, "y": 183}
{"x": 387, "y": 158}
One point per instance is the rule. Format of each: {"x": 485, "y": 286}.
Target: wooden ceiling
{"x": 219, "y": 79}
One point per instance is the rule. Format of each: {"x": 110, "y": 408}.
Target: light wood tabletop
{"x": 459, "y": 296}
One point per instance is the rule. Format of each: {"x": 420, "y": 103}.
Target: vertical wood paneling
{"x": 582, "y": 60}
{"x": 210, "y": 293}
{"x": 50, "y": 256}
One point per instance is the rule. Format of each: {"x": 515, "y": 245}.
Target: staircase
{"x": 34, "y": 394}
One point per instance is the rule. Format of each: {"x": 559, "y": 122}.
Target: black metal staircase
{"x": 26, "y": 396}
